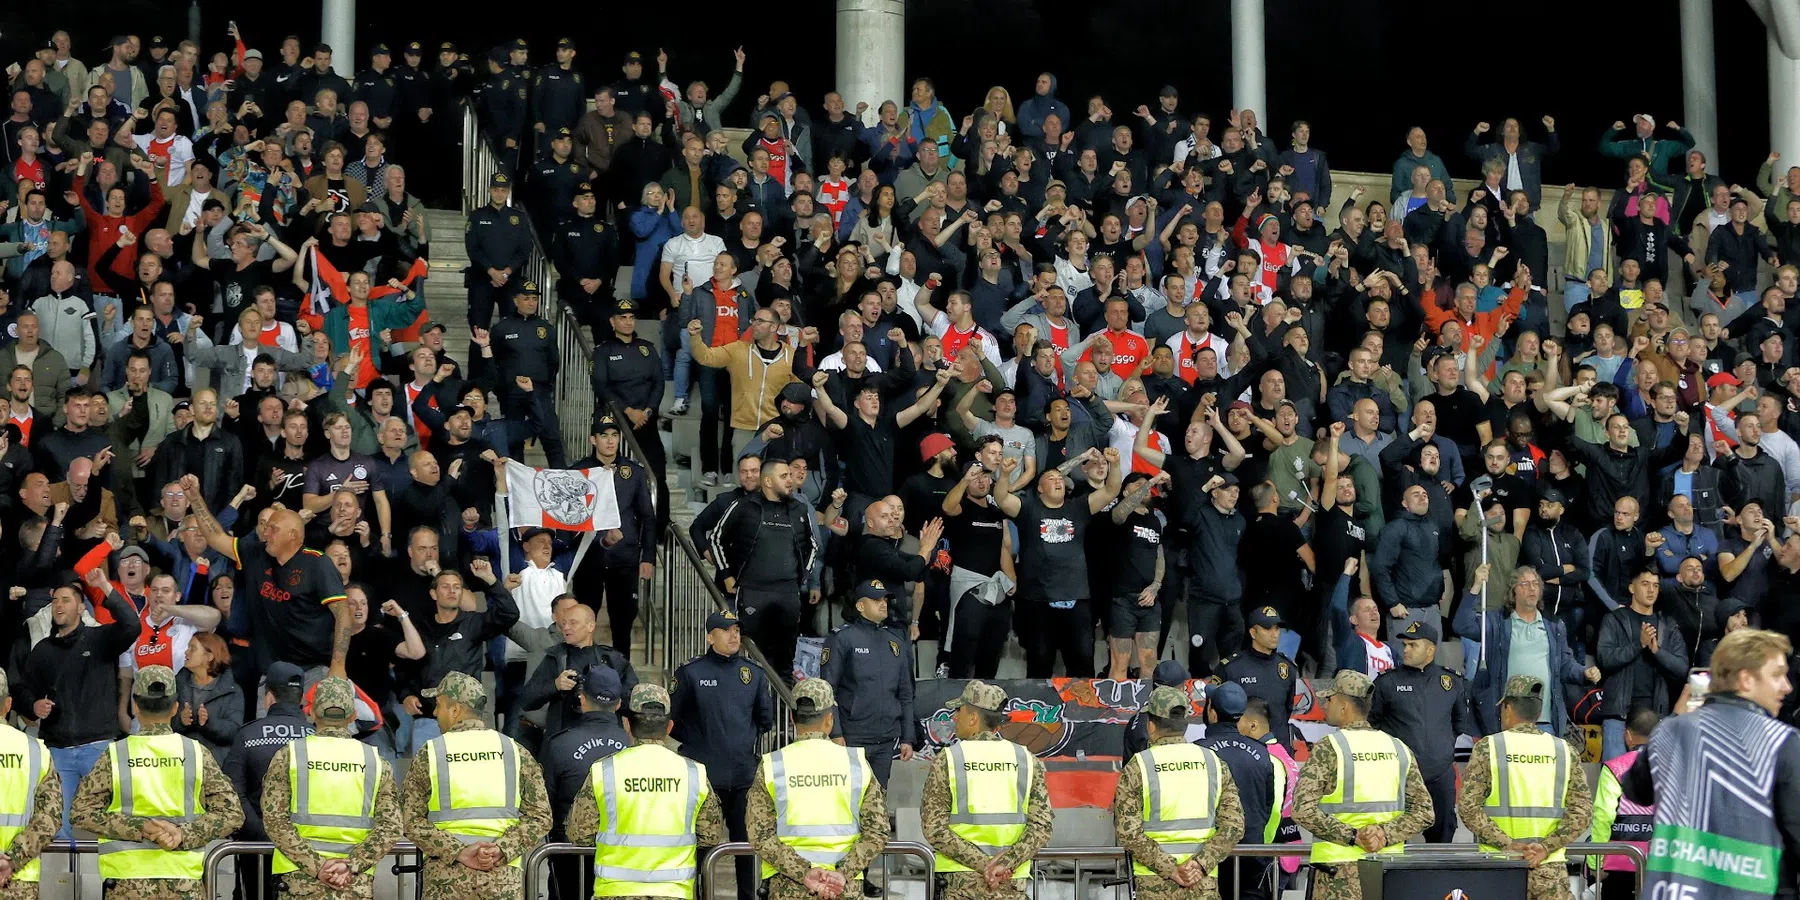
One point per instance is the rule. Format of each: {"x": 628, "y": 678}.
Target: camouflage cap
{"x": 981, "y": 695}
{"x": 813, "y": 696}
{"x": 1524, "y": 687}
{"x": 645, "y": 695}
{"x": 153, "y": 681}
{"x": 1350, "y": 683}
{"x": 461, "y": 688}
{"x": 334, "y": 699}
{"x": 1169, "y": 703}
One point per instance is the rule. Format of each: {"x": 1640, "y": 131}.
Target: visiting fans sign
{"x": 561, "y": 499}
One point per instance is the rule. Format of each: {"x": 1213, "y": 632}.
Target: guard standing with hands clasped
{"x": 1524, "y": 791}
{"x": 527, "y": 360}
{"x": 568, "y": 755}
{"x": 155, "y": 799}
{"x": 820, "y": 816}
{"x": 1426, "y": 706}
{"x": 473, "y": 800}
{"x": 1176, "y": 808}
{"x": 499, "y": 246}
{"x": 870, "y": 666}
{"x": 30, "y": 801}
{"x": 628, "y": 373}
{"x": 986, "y": 809}
{"x": 586, "y": 253}
{"x": 331, "y": 810}
{"x": 647, "y": 837}
{"x": 1359, "y": 792}
{"x": 722, "y": 707}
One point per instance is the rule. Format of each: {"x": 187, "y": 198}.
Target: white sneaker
{"x": 710, "y": 479}
{"x": 680, "y": 408}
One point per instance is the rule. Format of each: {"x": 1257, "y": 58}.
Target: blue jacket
{"x": 1031, "y": 113}
{"x": 1352, "y": 651}
{"x": 1490, "y": 680}
{"x": 652, "y": 230}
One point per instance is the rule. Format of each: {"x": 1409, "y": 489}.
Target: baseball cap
{"x": 433, "y": 325}
{"x": 632, "y": 56}
{"x": 1226, "y": 479}
{"x": 1265, "y": 617}
{"x": 459, "y": 410}
{"x": 646, "y": 697}
{"x": 1724, "y": 378}
{"x": 253, "y": 54}
{"x": 584, "y": 187}
{"x": 625, "y": 307}
{"x": 379, "y": 50}
{"x": 562, "y": 133}
{"x": 602, "y": 683}
{"x": 461, "y": 688}
{"x": 1228, "y": 699}
{"x": 153, "y": 681}
{"x": 933, "y": 444}
{"x": 1552, "y": 495}
{"x": 529, "y": 287}
{"x": 1168, "y": 702}
{"x": 519, "y": 44}
{"x": 446, "y": 47}
{"x": 499, "y": 180}
{"x": 1523, "y": 687}
{"x": 1420, "y": 631}
{"x": 721, "y": 619}
{"x": 283, "y": 674}
{"x": 136, "y": 551}
{"x": 981, "y": 695}
{"x": 1348, "y": 682}
{"x": 1169, "y": 672}
{"x": 1168, "y": 91}
{"x": 567, "y": 43}
{"x": 605, "y": 422}
{"x": 334, "y": 698}
{"x": 873, "y": 589}
{"x": 813, "y": 696}
{"x": 413, "y": 48}
{"x": 1054, "y": 184}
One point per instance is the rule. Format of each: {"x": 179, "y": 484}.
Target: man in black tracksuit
{"x": 764, "y": 546}
{"x": 1559, "y": 554}
{"x": 248, "y": 761}
{"x": 1426, "y": 706}
{"x": 870, "y": 667}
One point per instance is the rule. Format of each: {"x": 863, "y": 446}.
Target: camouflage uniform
{"x": 40, "y": 829}
{"x": 584, "y": 814}
{"x": 1128, "y": 818}
{"x": 1549, "y": 881}
{"x": 222, "y": 813}
{"x": 444, "y": 878}
{"x": 1318, "y": 778}
{"x": 934, "y": 813}
{"x": 332, "y": 693}
{"x": 759, "y": 816}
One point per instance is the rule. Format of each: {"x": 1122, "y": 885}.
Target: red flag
{"x": 329, "y": 289}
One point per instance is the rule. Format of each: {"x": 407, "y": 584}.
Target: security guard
{"x": 335, "y": 814}
{"x": 568, "y": 754}
{"x": 628, "y": 372}
{"x": 1168, "y": 673}
{"x": 1426, "y": 706}
{"x": 377, "y": 88}
{"x": 870, "y": 666}
{"x": 504, "y": 94}
{"x": 647, "y": 811}
{"x": 820, "y": 817}
{"x": 1261, "y": 784}
{"x": 155, "y": 799}
{"x": 1524, "y": 791}
{"x": 499, "y": 246}
{"x": 722, "y": 707}
{"x": 558, "y": 93}
{"x": 555, "y": 177}
{"x": 473, "y": 800}
{"x": 1264, "y": 671}
{"x": 252, "y": 750}
{"x": 586, "y": 252}
{"x": 615, "y": 572}
{"x": 526, "y": 359}
{"x": 30, "y": 801}
{"x": 986, "y": 809}
{"x": 1359, "y": 792}
{"x": 1176, "y": 809}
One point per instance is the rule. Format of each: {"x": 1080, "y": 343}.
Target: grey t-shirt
{"x": 1018, "y": 443}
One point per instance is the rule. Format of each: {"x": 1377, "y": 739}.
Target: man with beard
{"x": 1049, "y": 518}
{"x": 762, "y": 544}
{"x": 1556, "y": 551}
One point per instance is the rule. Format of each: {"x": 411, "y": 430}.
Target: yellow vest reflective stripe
{"x": 1180, "y": 797}
{"x": 22, "y": 759}
{"x": 650, "y": 799}
{"x": 1529, "y": 780}
{"x": 474, "y": 785}
{"x": 332, "y": 783}
{"x": 1281, "y": 779}
{"x": 155, "y": 776}
{"x": 989, "y": 809}
{"x": 1371, "y": 788}
{"x": 818, "y": 790}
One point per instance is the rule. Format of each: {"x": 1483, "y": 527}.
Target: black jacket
{"x": 1426, "y": 708}
{"x": 1612, "y": 474}
{"x": 1547, "y": 549}
{"x": 459, "y": 645}
{"x": 79, "y": 672}
{"x": 571, "y": 752}
{"x": 721, "y": 707}
{"x": 217, "y": 460}
{"x": 870, "y": 667}
{"x": 1620, "y": 646}
{"x": 565, "y": 706}
{"x": 748, "y": 543}
{"x": 1756, "y": 478}
{"x": 248, "y": 761}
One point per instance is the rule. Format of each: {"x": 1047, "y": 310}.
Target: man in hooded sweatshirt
{"x": 1042, "y": 103}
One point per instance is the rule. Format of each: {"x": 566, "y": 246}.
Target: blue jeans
{"x": 1612, "y": 738}
{"x": 684, "y": 372}
{"x": 72, "y": 764}
{"x": 1471, "y": 658}
{"x": 424, "y": 728}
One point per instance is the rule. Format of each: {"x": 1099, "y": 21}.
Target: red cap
{"x": 1723, "y": 378}
{"x": 933, "y": 444}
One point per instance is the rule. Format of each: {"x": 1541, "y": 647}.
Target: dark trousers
{"x": 1252, "y": 873}
{"x": 1618, "y": 886}
{"x": 881, "y": 759}
{"x": 979, "y": 637}
{"x": 484, "y": 298}
{"x": 618, "y": 587}
{"x": 715, "y": 422}
{"x": 1220, "y": 627}
{"x": 732, "y": 803}
{"x": 571, "y": 878}
{"x": 1065, "y": 632}
{"x": 650, "y": 438}
{"x": 254, "y": 881}
{"x": 1443, "y": 805}
{"x": 533, "y": 414}
{"x": 772, "y": 620}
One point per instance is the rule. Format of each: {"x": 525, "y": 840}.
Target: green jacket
{"x": 384, "y": 313}
{"x": 1666, "y": 156}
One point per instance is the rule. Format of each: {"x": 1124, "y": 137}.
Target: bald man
{"x": 89, "y": 518}
{"x": 427, "y": 501}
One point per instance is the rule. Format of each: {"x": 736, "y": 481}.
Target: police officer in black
{"x": 628, "y": 375}
{"x": 616, "y": 572}
{"x": 504, "y": 95}
{"x": 248, "y": 761}
{"x": 1168, "y": 673}
{"x": 440, "y": 122}
{"x": 567, "y": 756}
{"x": 526, "y": 361}
{"x": 638, "y": 92}
{"x": 558, "y": 94}
{"x": 870, "y": 666}
{"x": 1253, "y": 771}
{"x": 555, "y": 177}
{"x": 722, "y": 706}
{"x": 586, "y": 252}
{"x": 1263, "y": 671}
{"x": 377, "y": 87}
{"x": 1427, "y": 706}
{"x": 499, "y": 245}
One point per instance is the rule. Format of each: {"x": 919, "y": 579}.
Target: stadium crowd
{"x": 1016, "y": 378}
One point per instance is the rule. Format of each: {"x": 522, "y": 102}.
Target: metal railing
{"x": 921, "y": 852}
{"x": 219, "y": 852}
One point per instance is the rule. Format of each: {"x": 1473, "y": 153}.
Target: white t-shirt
{"x": 692, "y": 257}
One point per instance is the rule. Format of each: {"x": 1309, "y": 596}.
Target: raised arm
{"x": 828, "y": 411}
{"x": 216, "y": 536}
{"x": 1114, "y": 476}
{"x": 906, "y": 416}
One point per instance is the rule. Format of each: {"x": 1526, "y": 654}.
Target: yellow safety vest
{"x": 818, "y": 789}
{"x": 331, "y": 795}
{"x": 23, "y": 761}
{"x": 154, "y": 776}
{"x": 1281, "y": 780}
{"x": 649, "y": 799}
{"x": 474, "y": 785}
{"x": 1529, "y": 779}
{"x": 1371, "y": 789}
{"x": 1180, "y": 797}
{"x": 990, "y": 786}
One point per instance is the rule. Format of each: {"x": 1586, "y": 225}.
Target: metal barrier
{"x": 75, "y": 851}
{"x": 219, "y": 852}
{"x": 921, "y": 852}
